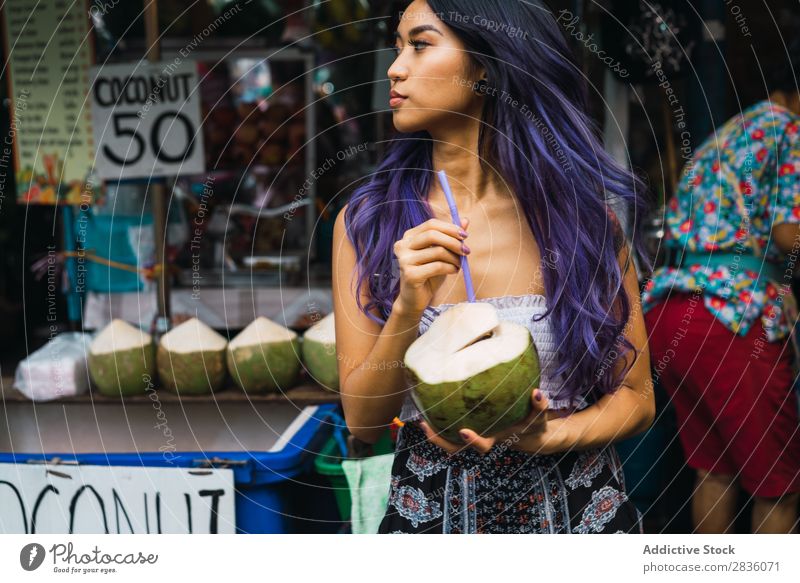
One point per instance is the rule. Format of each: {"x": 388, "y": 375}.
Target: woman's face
{"x": 432, "y": 72}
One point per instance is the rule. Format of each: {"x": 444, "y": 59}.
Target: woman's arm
{"x": 626, "y": 412}
{"x": 370, "y": 358}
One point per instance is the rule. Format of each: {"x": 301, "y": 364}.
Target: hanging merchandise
{"x": 649, "y": 37}
{"x": 328, "y": 23}
{"x": 655, "y": 47}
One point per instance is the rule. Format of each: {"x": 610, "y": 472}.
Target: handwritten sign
{"x": 59, "y": 499}
{"x": 146, "y": 119}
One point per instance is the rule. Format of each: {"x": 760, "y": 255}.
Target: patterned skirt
{"x": 505, "y": 491}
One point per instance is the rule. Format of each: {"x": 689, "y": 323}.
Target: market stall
{"x": 197, "y": 383}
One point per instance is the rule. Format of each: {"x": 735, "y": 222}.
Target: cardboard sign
{"x": 64, "y": 499}
{"x": 146, "y": 120}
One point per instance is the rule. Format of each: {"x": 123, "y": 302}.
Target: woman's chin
{"x": 407, "y": 122}
{"x": 404, "y": 127}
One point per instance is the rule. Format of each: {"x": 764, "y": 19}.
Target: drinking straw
{"x": 454, "y": 214}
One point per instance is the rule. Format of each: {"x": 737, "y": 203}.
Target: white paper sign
{"x": 63, "y": 499}
{"x": 146, "y": 120}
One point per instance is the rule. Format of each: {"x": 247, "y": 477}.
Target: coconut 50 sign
{"x": 146, "y": 120}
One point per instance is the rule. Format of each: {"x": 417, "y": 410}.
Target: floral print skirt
{"x": 505, "y": 491}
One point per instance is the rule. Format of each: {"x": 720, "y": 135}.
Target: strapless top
{"x": 521, "y": 310}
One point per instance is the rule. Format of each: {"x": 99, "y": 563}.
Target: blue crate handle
{"x": 339, "y": 429}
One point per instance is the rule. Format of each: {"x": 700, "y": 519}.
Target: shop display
{"x": 319, "y": 353}
{"x": 470, "y": 369}
{"x": 56, "y": 370}
{"x": 191, "y": 359}
{"x": 264, "y": 357}
{"x": 121, "y": 359}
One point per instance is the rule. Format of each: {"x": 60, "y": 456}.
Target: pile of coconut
{"x": 319, "y": 353}
{"x": 121, "y": 359}
{"x": 191, "y": 359}
{"x": 264, "y": 357}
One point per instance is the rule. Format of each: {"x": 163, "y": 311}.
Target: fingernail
{"x": 465, "y": 249}
{"x": 538, "y": 395}
{"x": 463, "y": 233}
{"x": 464, "y": 436}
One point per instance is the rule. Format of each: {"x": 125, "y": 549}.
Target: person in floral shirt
{"x": 704, "y": 216}
{"x": 720, "y": 322}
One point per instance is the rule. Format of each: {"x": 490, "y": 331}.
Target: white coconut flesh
{"x": 465, "y": 340}
{"x": 117, "y": 337}
{"x": 262, "y": 331}
{"x": 193, "y": 336}
{"x": 323, "y": 331}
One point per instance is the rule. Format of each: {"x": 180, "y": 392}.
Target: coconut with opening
{"x": 472, "y": 370}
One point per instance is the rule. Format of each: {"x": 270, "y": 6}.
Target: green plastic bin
{"x": 329, "y": 464}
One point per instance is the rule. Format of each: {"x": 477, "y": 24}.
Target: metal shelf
{"x": 303, "y": 394}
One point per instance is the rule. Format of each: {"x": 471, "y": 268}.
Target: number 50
{"x": 155, "y": 135}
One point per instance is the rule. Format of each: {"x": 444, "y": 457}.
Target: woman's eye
{"x": 417, "y": 44}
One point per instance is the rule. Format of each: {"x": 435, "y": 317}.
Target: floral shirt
{"x": 758, "y": 155}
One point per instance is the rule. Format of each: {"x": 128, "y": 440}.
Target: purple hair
{"x": 554, "y": 161}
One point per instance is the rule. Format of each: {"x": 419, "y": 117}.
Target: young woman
{"x": 488, "y": 92}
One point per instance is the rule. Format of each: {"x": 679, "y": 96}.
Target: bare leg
{"x": 714, "y": 503}
{"x": 775, "y": 515}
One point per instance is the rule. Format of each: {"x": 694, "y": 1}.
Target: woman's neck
{"x": 470, "y": 181}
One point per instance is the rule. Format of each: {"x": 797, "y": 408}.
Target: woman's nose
{"x": 397, "y": 71}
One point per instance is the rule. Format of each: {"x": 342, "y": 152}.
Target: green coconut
{"x": 121, "y": 359}
{"x": 471, "y": 370}
{"x": 191, "y": 359}
{"x": 319, "y": 353}
{"x": 264, "y": 357}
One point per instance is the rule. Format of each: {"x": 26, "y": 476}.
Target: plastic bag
{"x": 58, "y": 369}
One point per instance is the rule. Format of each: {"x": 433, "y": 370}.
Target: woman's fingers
{"x": 435, "y": 439}
{"x": 437, "y": 225}
{"x": 426, "y": 239}
{"x": 434, "y": 253}
{"x": 539, "y": 399}
{"x": 536, "y": 418}
{"x": 474, "y": 440}
{"x": 470, "y": 438}
{"x": 419, "y": 274}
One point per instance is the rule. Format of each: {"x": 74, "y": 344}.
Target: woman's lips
{"x": 396, "y": 98}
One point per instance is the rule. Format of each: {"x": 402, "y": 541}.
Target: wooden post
{"x": 158, "y": 188}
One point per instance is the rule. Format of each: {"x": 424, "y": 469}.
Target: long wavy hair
{"x": 552, "y": 156}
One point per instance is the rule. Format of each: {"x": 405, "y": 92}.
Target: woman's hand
{"x": 426, "y": 254}
{"x": 534, "y": 424}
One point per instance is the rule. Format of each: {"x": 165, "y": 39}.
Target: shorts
{"x": 734, "y": 395}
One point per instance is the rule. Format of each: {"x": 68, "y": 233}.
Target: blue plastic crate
{"x": 263, "y": 480}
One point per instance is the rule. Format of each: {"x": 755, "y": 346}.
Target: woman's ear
{"x": 482, "y": 81}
